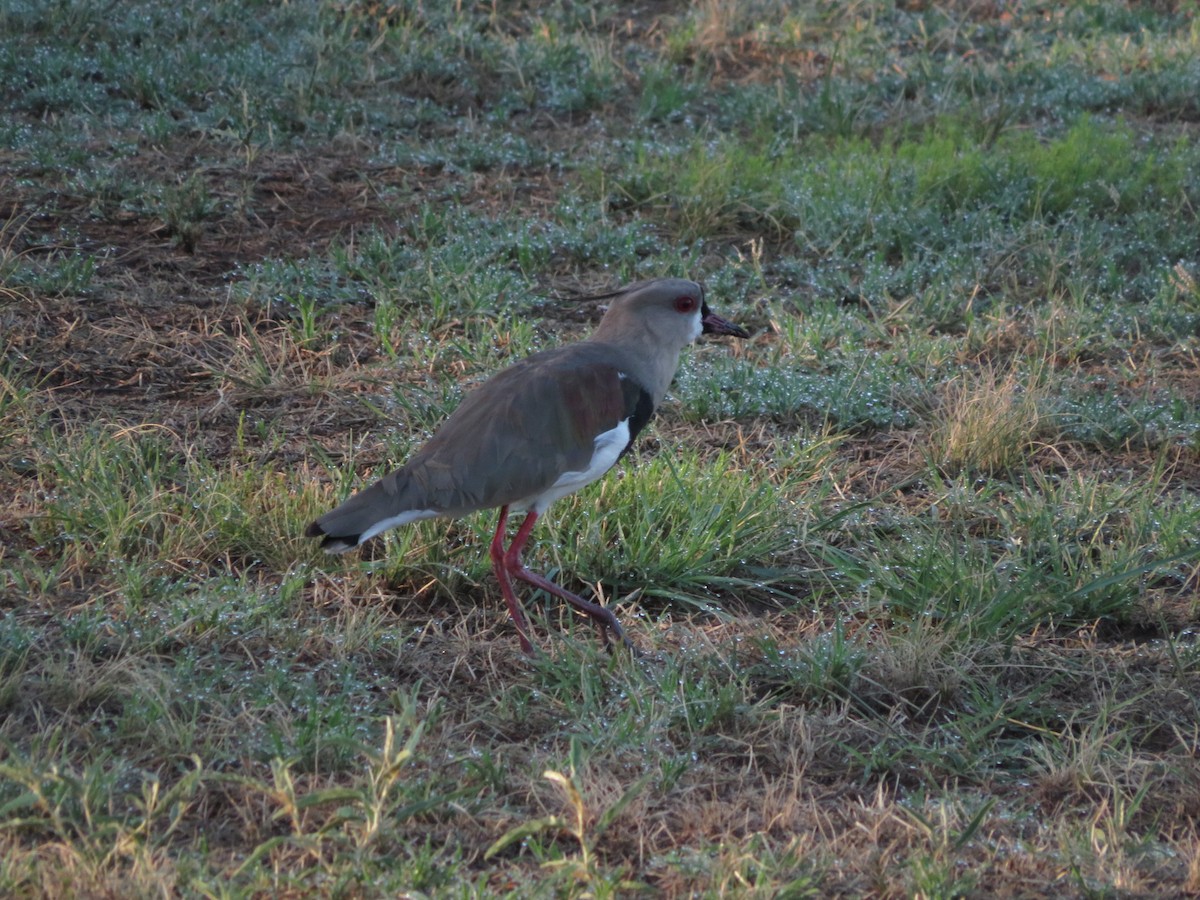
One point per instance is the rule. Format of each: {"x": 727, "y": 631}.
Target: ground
{"x": 916, "y": 591}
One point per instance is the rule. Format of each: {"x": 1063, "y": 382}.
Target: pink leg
{"x": 602, "y": 616}
{"x": 506, "y": 588}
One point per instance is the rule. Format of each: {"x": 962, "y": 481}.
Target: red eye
{"x": 685, "y": 304}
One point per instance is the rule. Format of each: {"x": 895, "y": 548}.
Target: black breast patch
{"x": 639, "y": 407}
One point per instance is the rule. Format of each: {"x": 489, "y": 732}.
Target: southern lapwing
{"x": 540, "y": 430}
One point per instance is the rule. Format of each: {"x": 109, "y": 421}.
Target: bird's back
{"x": 514, "y": 436}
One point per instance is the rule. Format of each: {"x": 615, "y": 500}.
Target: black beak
{"x": 714, "y": 324}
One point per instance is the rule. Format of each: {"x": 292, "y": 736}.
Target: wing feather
{"x": 516, "y": 434}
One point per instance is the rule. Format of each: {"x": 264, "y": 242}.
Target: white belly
{"x": 605, "y": 451}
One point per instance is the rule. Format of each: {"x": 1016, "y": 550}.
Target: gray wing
{"x": 516, "y": 434}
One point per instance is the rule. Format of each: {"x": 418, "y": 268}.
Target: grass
{"x": 988, "y": 422}
{"x": 913, "y": 571}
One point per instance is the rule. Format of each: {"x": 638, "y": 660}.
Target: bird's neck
{"x": 648, "y": 361}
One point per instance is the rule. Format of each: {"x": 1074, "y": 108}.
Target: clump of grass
{"x": 679, "y": 529}
{"x": 184, "y": 208}
{"x": 262, "y": 361}
{"x": 714, "y": 30}
{"x": 712, "y": 187}
{"x": 110, "y": 494}
{"x": 1088, "y": 547}
{"x": 937, "y": 575}
{"x": 569, "y": 72}
{"x": 988, "y": 421}
{"x": 134, "y": 504}
{"x": 664, "y": 94}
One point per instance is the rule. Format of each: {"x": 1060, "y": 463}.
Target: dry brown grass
{"x": 988, "y": 421}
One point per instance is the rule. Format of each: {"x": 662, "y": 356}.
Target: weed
{"x": 580, "y": 823}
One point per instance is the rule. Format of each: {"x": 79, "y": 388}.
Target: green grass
{"x": 912, "y": 571}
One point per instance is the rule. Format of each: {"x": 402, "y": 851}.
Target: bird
{"x": 537, "y": 431}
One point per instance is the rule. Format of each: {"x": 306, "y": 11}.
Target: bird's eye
{"x": 685, "y": 304}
